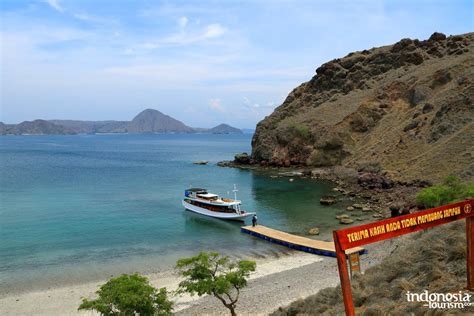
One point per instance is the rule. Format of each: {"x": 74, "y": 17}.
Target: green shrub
{"x": 213, "y": 274}
{"x": 129, "y": 295}
{"x": 301, "y": 130}
{"x": 450, "y": 190}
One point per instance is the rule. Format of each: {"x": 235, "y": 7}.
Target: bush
{"x": 129, "y": 295}
{"x": 450, "y": 190}
{"x": 213, "y": 274}
{"x": 301, "y": 130}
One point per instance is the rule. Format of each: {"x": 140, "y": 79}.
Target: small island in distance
{"x": 147, "y": 121}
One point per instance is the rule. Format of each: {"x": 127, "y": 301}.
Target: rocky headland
{"x": 379, "y": 123}
{"x": 406, "y": 108}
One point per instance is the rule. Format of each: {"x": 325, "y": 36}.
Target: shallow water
{"x": 84, "y": 207}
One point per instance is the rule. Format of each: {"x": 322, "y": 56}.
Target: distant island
{"x": 147, "y": 121}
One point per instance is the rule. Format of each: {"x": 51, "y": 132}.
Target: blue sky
{"x": 202, "y": 62}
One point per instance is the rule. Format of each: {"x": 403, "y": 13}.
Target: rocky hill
{"x": 224, "y": 129}
{"x": 147, "y": 121}
{"x": 36, "y": 127}
{"x": 92, "y": 127}
{"x": 153, "y": 121}
{"x": 406, "y": 107}
{"x": 412, "y": 266}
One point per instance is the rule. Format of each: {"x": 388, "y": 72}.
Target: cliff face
{"x": 407, "y": 107}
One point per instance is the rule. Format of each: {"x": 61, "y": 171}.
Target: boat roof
{"x": 196, "y": 190}
{"x": 208, "y": 195}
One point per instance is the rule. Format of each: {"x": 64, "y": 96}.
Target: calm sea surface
{"x": 80, "y": 208}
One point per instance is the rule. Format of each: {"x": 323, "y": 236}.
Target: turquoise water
{"x": 80, "y": 208}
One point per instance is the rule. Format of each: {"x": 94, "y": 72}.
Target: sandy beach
{"x": 65, "y": 300}
{"x": 277, "y": 282}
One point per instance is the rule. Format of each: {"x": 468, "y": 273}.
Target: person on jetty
{"x": 254, "y": 220}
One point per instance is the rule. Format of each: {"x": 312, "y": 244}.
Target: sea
{"x": 82, "y": 208}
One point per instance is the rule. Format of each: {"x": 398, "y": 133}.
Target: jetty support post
{"x": 470, "y": 252}
{"x": 344, "y": 276}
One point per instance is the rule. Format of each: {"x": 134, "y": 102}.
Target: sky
{"x": 202, "y": 62}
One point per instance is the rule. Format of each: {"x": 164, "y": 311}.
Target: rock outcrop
{"x": 406, "y": 108}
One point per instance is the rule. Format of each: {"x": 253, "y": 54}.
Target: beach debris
{"x": 291, "y": 180}
{"x": 328, "y": 200}
{"x": 313, "y": 231}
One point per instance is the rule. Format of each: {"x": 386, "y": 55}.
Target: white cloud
{"x": 210, "y": 31}
{"x": 55, "y": 5}
{"x": 214, "y": 30}
{"x": 215, "y": 104}
{"x": 254, "y": 105}
{"x": 183, "y": 21}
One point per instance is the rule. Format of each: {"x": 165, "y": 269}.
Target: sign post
{"x": 393, "y": 227}
{"x": 354, "y": 263}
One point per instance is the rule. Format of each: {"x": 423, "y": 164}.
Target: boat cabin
{"x": 201, "y": 198}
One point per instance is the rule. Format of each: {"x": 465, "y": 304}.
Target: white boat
{"x": 202, "y": 202}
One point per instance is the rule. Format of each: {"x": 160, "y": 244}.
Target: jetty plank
{"x": 319, "y": 247}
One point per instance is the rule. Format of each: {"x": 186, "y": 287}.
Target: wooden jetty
{"x": 317, "y": 247}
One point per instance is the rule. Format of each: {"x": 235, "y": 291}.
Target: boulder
{"x": 225, "y": 163}
{"x": 201, "y": 162}
{"x": 328, "y": 200}
{"x": 313, "y": 231}
{"x": 242, "y": 158}
{"x": 346, "y": 221}
{"x": 350, "y": 208}
{"x": 342, "y": 216}
{"x": 366, "y": 209}
{"x": 436, "y": 36}
{"x": 358, "y": 206}
{"x": 373, "y": 181}
{"x": 427, "y": 108}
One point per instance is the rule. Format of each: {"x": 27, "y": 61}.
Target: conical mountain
{"x": 153, "y": 121}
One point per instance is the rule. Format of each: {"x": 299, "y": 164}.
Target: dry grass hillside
{"x": 433, "y": 260}
{"x": 408, "y": 106}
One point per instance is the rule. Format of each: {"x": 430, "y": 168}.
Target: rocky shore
{"x": 371, "y": 190}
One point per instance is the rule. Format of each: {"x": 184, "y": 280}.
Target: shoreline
{"x": 371, "y": 187}
{"x": 276, "y": 283}
{"x": 266, "y": 294}
{"x": 64, "y": 300}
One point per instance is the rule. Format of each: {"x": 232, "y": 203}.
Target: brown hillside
{"x": 408, "y": 106}
{"x": 433, "y": 260}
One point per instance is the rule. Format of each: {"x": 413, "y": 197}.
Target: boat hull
{"x": 220, "y": 215}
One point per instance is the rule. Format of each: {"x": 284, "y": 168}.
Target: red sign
{"x": 393, "y": 227}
